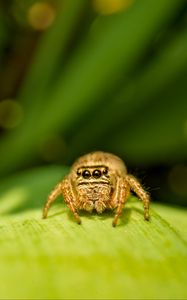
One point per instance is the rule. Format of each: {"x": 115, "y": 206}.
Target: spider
{"x": 98, "y": 181}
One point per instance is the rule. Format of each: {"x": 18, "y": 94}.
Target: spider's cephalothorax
{"x": 98, "y": 181}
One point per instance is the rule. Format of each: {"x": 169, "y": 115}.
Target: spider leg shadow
{"x": 60, "y": 210}
{"x": 124, "y": 219}
{"x": 55, "y": 214}
{"x": 82, "y": 213}
{"x": 108, "y": 214}
{"x": 140, "y": 211}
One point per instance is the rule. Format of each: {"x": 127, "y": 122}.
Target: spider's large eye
{"x": 105, "y": 171}
{"x": 96, "y": 173}
{"x": 86, "y": 174}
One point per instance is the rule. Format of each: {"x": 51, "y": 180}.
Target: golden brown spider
{"x": 98, "y": 181}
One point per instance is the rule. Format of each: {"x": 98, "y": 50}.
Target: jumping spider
{"x": 98, "y": 181}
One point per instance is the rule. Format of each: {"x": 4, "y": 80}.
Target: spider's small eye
{"x": 105, "y": 171}
{"x": 78, "y": 172}
{"x": 86, "y": 174}
{"x": 96, "y": 173}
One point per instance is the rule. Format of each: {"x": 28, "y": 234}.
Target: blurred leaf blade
{"x": 68, "y": 258}
{"x": 163, "y": 71}
{"x": 164, "y": 138}
{"x": 50, "y": 52}
{"x": 3, "y": 34}
{"x": 110, "y": 50}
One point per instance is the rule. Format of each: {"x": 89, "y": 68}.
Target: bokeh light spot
{"x": 178, "y": 179}
{"x": 108, "y": 7}
{"x": 11, "y": 114}
{"x": 41, "y": 15}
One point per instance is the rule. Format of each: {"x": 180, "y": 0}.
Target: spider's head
{"x": 98, "y": 167}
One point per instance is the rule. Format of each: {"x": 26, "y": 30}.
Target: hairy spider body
{"x": 98, "y": 181}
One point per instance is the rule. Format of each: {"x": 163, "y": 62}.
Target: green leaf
{"x": 58, "y": 259}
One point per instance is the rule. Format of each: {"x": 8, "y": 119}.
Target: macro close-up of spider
{"x": 98, "y": 181}
{"x": 93, "y": 139}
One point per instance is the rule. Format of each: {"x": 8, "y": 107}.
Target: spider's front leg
{"x": 53, "y": 195}
{"x": 141, "y": 193}
{"x": 65, "y": 188}
{"x": 120, "y": 196}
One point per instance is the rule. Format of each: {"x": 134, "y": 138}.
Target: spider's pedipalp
{"x": 70, "y": 198}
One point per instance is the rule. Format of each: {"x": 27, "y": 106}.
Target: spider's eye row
{"x": 86, "y": 174}
{"x": 105, "y": 171}
{"x": 96, "y": 173}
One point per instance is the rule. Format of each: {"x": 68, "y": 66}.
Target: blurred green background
{"x": 84, "y": 75}
{"x": 78, "y": 76}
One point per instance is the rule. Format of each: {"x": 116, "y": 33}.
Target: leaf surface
{"x": 58, "y": 259}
